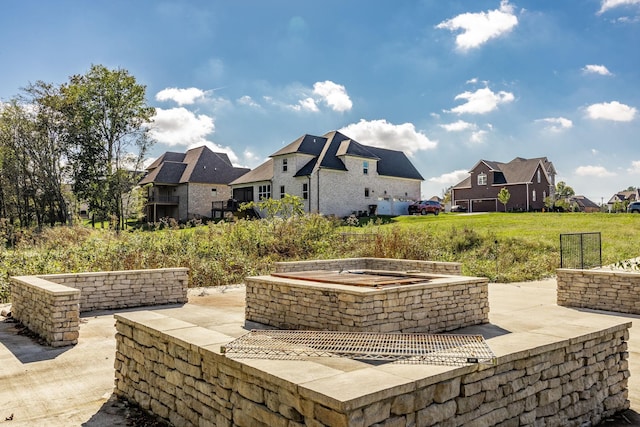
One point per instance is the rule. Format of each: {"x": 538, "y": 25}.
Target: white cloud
{"x": 247, "y": 100}
{"x": 380, "y": 133}
{"x": 478, "y": 28}
{"x": 307, "y": 104}
{"x": 611, "y": 111}
{"x": 179, "y": 126}
{"x": 556, "y": 124}
{"x": 635, "y": 167}
{"x": 333, "y": 94}
{"x": 597, "y": 171}
{"x": 611, "y": 4}
{"x": 180, "y": 96}
{"x": 482, "y": 101}
{"x": 458, "y": 126}
{"x": 451, "y": 178}
{"x": 252, "y": 158}
{"x": 478, "y": 137}
{"x": 597, "y": 69}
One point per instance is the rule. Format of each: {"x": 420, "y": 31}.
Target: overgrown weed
{"x": 502, "y": 247}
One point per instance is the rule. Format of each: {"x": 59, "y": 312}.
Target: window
{"x": 538, "y": 176}
{"x": 282, "y": 193}
{"x": 365, "y": 168}
{"x": 544, "y": 195}
{"x": 264, "y": 191}
{"x": 533, "y": 195}
{"x": 285, "y": 165}
{"x": 305, "y": 191}
{"x": 482, "y": 179}
{"x": 366, "y": 192}
{"x": 214, "y": 192}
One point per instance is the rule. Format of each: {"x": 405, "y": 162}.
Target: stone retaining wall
{"x": 176, "y": 371}
{"x": 390, "y": 264}
{"x": 50, "y": 305}
{"x": 599, "y": 289}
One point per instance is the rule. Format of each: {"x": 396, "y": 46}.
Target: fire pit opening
{"x": 369, "y": 278}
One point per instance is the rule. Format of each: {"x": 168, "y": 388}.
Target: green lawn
{"x": 620, "y": 232}
{"x": 522, "y": 238}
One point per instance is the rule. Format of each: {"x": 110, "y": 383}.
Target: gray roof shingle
{"x": 199, "y": 165}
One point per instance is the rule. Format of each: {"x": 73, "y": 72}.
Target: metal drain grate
{"x": 453, "y": 350}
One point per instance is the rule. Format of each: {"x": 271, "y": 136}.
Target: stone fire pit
{"x": 367, "y": 295}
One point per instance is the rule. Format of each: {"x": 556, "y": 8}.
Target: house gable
{"x": 346, "y": 173}
{"x": 186, "y": 184}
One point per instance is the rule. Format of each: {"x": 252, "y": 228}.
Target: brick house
{"x": 334, "y": 175}
{"x": 529, "y": 181}
{"x": 185, "y": 185}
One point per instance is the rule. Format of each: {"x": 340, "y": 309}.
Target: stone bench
{"x": 50, "y": 305}
{"x": 599, "y": 289}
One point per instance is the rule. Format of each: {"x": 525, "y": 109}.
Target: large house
{"x": 184, "y": 186}
{"x": 529, "y": 182}
{"x": 621, "y": 199}
{"x": 334, "y": 175}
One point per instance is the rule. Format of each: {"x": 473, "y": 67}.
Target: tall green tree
{"x": 106, "y": 113}
{"x": 563, "y": 191}
{"x": 14, "y": 201}
{"x": 47, "y": 150}
{"x": 31, "y": 158}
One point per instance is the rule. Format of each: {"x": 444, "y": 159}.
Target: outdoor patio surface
{"x": 73, "y": 386}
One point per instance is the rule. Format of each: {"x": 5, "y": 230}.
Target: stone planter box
{"x": 50, "y": 305}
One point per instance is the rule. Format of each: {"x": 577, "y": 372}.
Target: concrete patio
{"x": 72, "y": 386}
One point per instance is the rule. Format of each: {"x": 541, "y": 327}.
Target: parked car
{"x": 458, "y": 208}
{"x": 424, "y": 207}
{"x": 634, "y": 207}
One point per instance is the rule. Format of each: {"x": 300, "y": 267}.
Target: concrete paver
{"x": 73, "y": 386}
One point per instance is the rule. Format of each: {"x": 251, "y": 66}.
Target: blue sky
{"x": 447, "y": 82}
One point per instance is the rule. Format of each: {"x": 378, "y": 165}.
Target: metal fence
{"x": 580, "y": 250}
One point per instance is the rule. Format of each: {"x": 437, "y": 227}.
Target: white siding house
{"x": 334, "y": 175}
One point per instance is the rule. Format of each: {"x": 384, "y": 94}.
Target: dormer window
{"x": 365, "y": 168}
{"x": 285, "y": 165}
{"x": 482, "y": 179}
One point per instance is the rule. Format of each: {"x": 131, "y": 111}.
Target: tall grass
{"x": 501, "y": 246}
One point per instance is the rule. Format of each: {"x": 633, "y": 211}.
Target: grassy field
{"x": 528, "y": 244}
{"x": 620, "y": 232}
{"x": 504, "y": 247}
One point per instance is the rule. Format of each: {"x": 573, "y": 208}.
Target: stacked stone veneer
{"x": 599, "y": 289}
{"x": 50, "y": 305}
{"x": 176, "y": 371}
{"x": 441, "y": 303}
{"x": 390, "y": 264}
{"x": 46, "y": 308}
